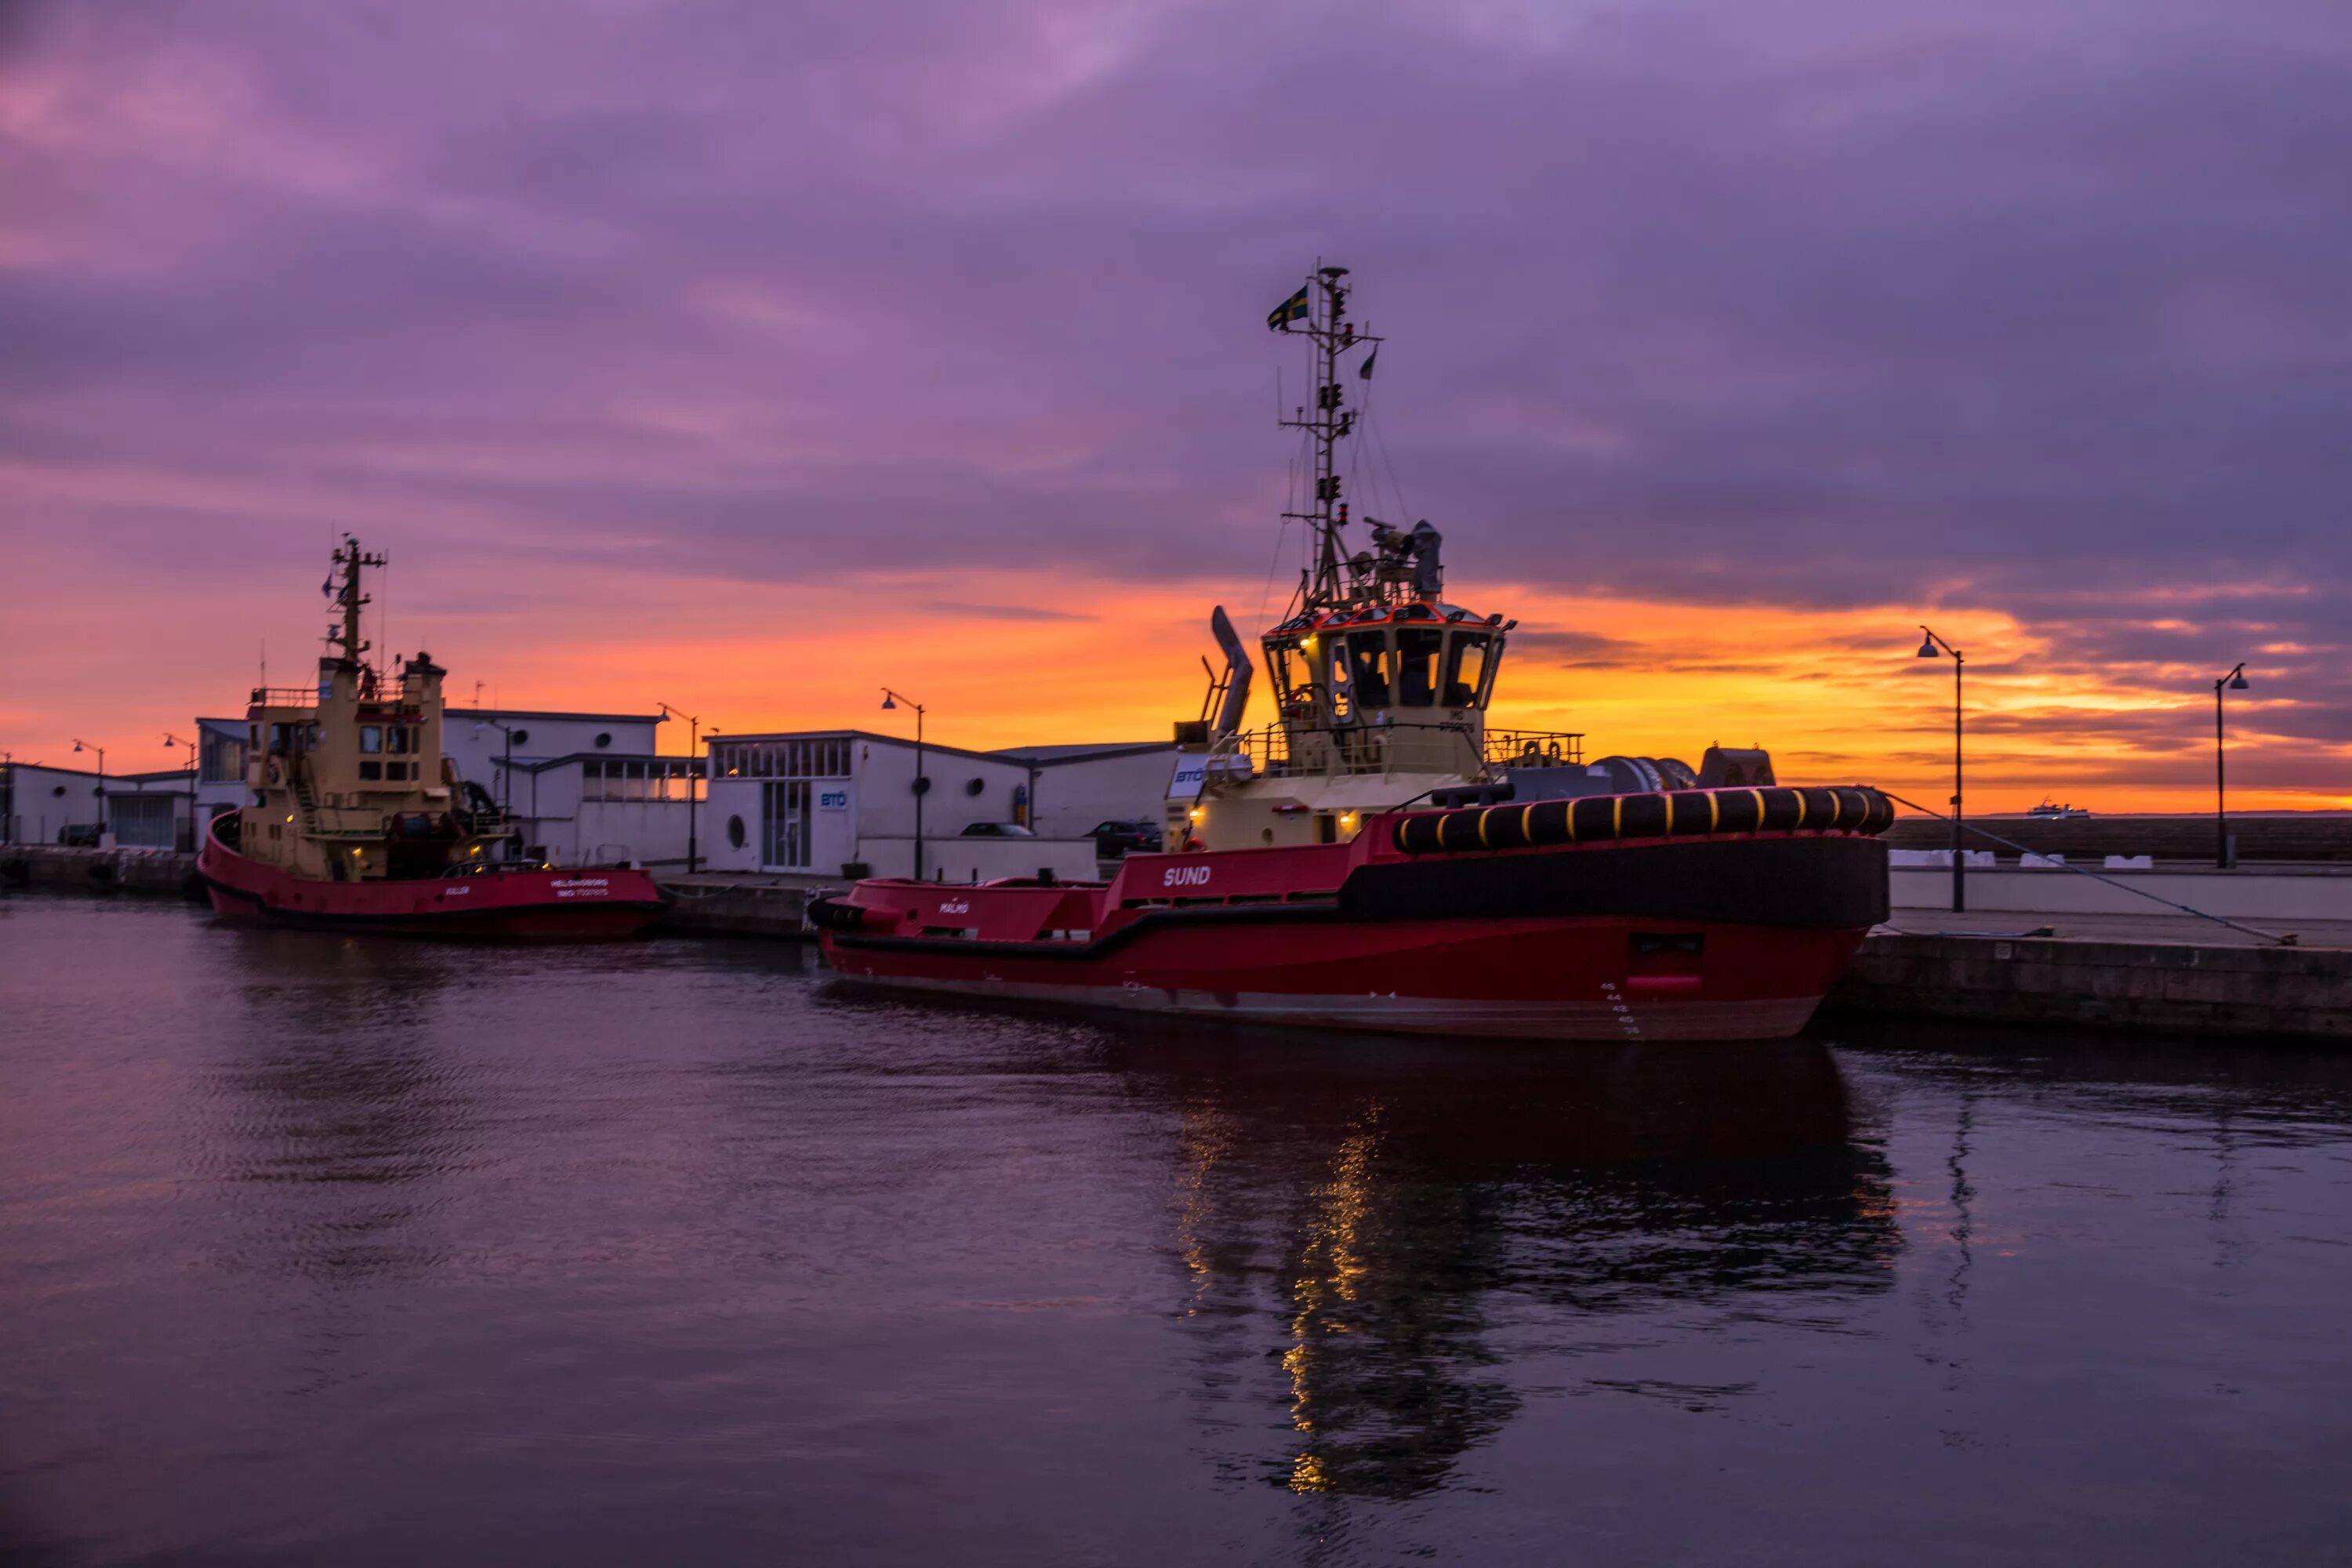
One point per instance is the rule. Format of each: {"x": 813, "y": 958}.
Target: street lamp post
{"x": 2234, "y": 681}
{"x": 171, "y": 739}
{"x": 1927, "y": 647}
{"x": 693, "y": 782}
{"x": 102, "y": 788}
{"x": 891, "y": 699}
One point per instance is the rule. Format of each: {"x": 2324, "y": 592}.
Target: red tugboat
{"x": 362, "y": 823}
{"x": 1379, "y": 859}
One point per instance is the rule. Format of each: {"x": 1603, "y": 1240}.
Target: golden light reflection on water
{"x": 1363, "y": 1236}
{"x": 1330, "y": 1270}
{"x": 1206, "y": 1136}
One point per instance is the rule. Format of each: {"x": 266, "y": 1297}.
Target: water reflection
{"x": 1379, "y": 1210}
{"x": 340, "y": 1086}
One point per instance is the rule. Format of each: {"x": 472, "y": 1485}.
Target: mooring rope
{"x": 2286, "y": 939}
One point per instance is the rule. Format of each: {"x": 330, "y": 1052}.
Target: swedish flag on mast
{"x": 1294, "y": 308}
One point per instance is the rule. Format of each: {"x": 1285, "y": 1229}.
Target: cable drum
{"x": 1655, "y": 813}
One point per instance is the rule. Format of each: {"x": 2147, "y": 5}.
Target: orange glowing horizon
{"x": 1836, "y": 696}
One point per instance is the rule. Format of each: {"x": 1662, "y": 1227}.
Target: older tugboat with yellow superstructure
{"x": 360, "y": 823}
{"x": 1377, "y": 859}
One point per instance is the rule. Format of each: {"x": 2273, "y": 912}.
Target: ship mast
{"x": 1329, "y": 422}
{"x": 349, "y": 558}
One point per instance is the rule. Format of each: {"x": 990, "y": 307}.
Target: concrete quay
{"x": 167, "y": 872}
{"x": 712, "y": 903}
{"x": 2157, "y": 973}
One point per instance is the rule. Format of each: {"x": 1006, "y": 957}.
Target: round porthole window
{"x": 973, "y": 786}
{"x": 521, "y": 737}
{"x": 59, "y": 789}
{"x": 735, "y": 831}
{"x": 603, "y": 740}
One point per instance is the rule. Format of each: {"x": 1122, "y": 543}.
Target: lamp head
{"x": 2237, "y": 680}
{"x": 1927, "y": 647}
{"x": 76, "y": 745}
{"x": 888, "y": 702}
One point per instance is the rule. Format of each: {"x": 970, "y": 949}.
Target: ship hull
{"x": 1556, "y": 980}
{"x": 1729, "y": 938}
{"x": 519, "y": 905}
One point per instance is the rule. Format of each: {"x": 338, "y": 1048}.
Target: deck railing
{"x": 1535, "y": 748}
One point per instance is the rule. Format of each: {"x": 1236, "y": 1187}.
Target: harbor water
{"x": 316, "y": 1248}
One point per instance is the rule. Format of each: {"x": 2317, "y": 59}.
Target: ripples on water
{"x": 315, "y": 1249}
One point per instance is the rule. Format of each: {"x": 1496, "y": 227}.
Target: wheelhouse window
{"x": 1293, "y": 671}
{"x": 1369, "y": 664}
{"x": 370, "y": 740}
{"x": 1418, "y": 649}
{"x": 1467, "y": 665}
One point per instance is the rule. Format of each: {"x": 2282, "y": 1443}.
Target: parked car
{"x": 997, "y": 830}
{"x": 1115, "y": 838}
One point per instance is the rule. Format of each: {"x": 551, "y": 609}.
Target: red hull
{"x": 1737, "y": 938}
{"x": 554, "y": 905}
{"x": 1533, "y": 979}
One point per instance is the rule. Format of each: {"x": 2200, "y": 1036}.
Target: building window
{"x": 371, "y": 773}
{"x": 220, "y": 759}
{"x": 371, "y": 739}
{"x": 735, "y": 831}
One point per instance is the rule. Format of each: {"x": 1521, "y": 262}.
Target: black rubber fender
{"x": 1653, "y": 814}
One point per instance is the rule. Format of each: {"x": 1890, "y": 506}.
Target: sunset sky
{"x": 751, "y": 356}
